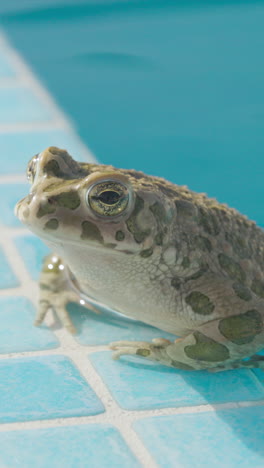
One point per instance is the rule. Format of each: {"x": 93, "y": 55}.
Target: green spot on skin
{"x": 132, "y": 225}
{"x": 146, "y": 253}
{"x": 119, "y": 236}
{"x": 58, "y": 152}
{"x": 209, "y": 222}
{"x": 232, "y": 268}
{"x": 257, "y": 287}
{"x": 162, "y": 217}
{"x": 140, "y": 236}
{"x": 206, "y": 349}
{"x": 242, "y": 329}
{"x": 239, "y": 245}
{"x": 52, "y": 168}
{"x": 70, "y": 200}
{"x": 185, "y": 208}
{"x": 158, "y": 211}
{"x": 199, "y": 303}
{"x": 159, "y": 238}
{"x": 59, "y": 185}
{"x": 45, "y": 208}
{"x": 73, "y": 169}
{"x": 186, "y": 262}
{"x": 53, "y": 224}
{"x": 242, "y": 292}
{"x": 143, "y": 352}
{"x": 91, "y": 232}
{"x": 203, "y": 243}
{"x": 176, "y": 283}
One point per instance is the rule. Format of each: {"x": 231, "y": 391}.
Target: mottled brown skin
{"x": 154, "y": 251}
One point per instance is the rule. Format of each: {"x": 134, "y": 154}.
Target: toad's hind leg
{"x": 219, "y": 344}
{"x": 55, "y": 293}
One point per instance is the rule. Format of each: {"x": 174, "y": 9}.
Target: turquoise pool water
{"x": 174, "y": 88}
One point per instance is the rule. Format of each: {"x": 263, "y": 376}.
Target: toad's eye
{"x": 32, "y": 168}
{"x": 108, "y": 198}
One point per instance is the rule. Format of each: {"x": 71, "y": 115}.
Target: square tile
{"x": 32, "y": 251}
{"x": 97, "y": 329}
{"x": 20, "y": 105}
{"x": 16, "y": 149}
{"x": 44, "y": 387}
{"x": 138, "y": 384}
{"x": 17, "y": 332}
{"x": 93, "y": 446}
{"x": 230, "y": 438}
{"x": 10, "y": 194}
{"x": 7, "y": 276}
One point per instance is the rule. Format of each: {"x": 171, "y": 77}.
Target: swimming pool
{"x": 169, "y": 88}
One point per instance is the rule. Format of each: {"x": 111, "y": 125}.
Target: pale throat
{"x": 98, "y": 271}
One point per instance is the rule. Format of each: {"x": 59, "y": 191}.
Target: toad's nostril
{"x": 51, "y": 201}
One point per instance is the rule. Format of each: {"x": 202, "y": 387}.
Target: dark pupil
{"x": 109, "y": 197}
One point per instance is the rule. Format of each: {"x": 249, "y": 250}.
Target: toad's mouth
{"x": 78, "y": 232}
{"x": 57, "y": 240}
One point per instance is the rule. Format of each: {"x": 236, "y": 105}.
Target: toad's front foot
{"x": 57, "y": 303}
{"x": 55, "y": 293}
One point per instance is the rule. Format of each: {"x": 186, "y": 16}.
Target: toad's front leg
{"x": 55, "y": 293}
{"x": 218, "y": 345}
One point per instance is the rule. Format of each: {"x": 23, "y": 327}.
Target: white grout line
{"x": 130, "y": 416}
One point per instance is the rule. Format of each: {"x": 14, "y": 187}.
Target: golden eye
{"x": 108, "y": 198}
{"x": 32, "y": 168}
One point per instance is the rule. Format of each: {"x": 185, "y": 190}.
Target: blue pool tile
{"x": 9, "y": 196}
{"x": 32, "y": 250}
{"x": 228, "y": 438}
{"x": 17, "y": 333}
{"x": 20, "y": 105}
{"x": 17, "y": 148}
{"x": 138, "y": 385}
{"x": 6, "y": 68}
{"x": 93, "y": 446}
{"x": 43, "y": 388}
{"x": 7, "y": 277}
{"x": 97, "y": 329}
